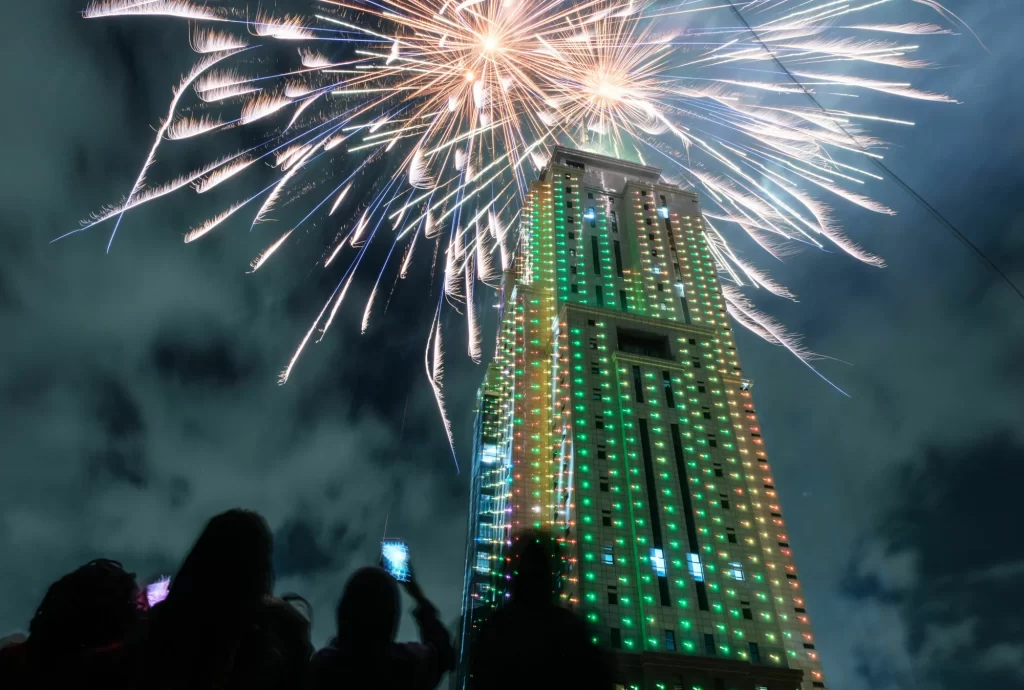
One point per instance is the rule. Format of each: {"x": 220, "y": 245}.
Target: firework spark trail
{"x": 212, "y": 223}
{"x": 467, "y": 93}
{"x": 222, "y": 174}
{"x": 197, "y": 71}
{"x": 740, "y": 308}
{"x": 433, "y": 362}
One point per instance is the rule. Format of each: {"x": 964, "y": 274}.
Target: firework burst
{"x": 471, "y": 94}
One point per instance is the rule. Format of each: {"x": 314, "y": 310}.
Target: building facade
{"x": 615, "y": 416}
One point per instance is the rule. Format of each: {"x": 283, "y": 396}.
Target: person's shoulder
{"x": 564, "y": 615}
{"x": 323, "y": 666}
{"x": 12, "y": 640}
{"x": 326, "y": 653}
{"x": 402, "y": 652}
{"x": 499, "y": 621}
{"x": 568, "y": 624}
{"x": 13, "y": 662}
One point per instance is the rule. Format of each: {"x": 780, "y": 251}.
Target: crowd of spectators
{"x": 220, "y": 627}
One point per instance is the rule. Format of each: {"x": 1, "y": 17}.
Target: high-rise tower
{"x": 615, "y": 416}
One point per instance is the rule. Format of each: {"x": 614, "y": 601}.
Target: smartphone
{"x": 395, "y": 557}
{"x": 158, "y": 591}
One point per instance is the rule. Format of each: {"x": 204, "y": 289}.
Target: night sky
{"x": 138, "y": 390}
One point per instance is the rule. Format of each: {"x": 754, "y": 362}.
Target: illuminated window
{"x": 658, "y": 562}
{"x": 608, "y": 556}
{"x": 735, "y": 570}
{"x": 670, "y": 641}
{"x": 693, "y": 564}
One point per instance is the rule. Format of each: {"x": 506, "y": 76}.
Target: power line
{"x": 945, "y": 222}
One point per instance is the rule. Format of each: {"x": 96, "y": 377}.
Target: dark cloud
{"x": 298, "y": 552}
{"x": 120, "y": 453}
{"x": 202, "y": 357}
{"x": 944, "y": 561}
{"x": 139, "y": 391}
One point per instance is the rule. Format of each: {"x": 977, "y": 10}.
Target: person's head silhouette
{"x": 368, "y": 612}
{"x": 90, "y": 608}
{"x": 533, "y": 570}
{"x": 229, "y": 567}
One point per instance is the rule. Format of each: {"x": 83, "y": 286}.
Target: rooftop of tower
{"x": 562, "y": 155}
{"x": 636, "y": 172}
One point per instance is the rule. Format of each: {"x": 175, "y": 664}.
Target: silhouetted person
{"x": 219, "y": 627}
{"x": 11, "y": 640}
{"x": 530, "y": 642}
{"x": 365, "y": 655}
{"x": 83, "y": 633}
